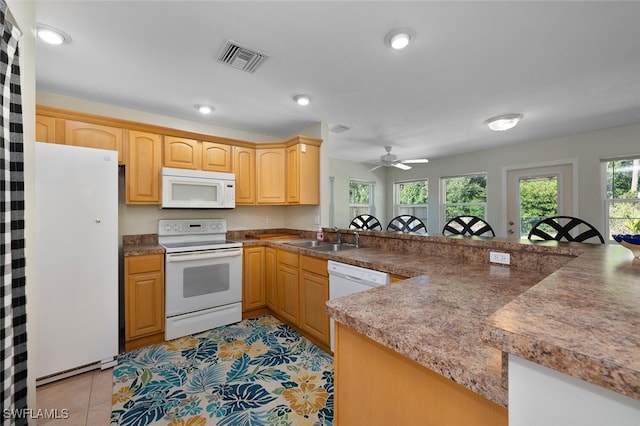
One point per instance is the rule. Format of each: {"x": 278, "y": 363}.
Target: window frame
{"x": 608, "y": 202}
{"x": 371, "y": 206}
{"x": 396, "y": 199}
{"x": 443, "y": 195}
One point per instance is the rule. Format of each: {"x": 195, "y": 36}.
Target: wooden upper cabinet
{"x": 244, "y": 167}
{"x": 270, "y": 175}
{"x": 182, "y": 153}
{"x": 216, "y": 157}
{"x": 46, "y": 129}
{"x": 143, "y": 169}
{"x": 303, "y": 171}
{"x": 91, "y": 135}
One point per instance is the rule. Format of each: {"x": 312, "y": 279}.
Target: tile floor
{"x": 87, "y": 397}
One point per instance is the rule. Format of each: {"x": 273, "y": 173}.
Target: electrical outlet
{"x": 497, "y": 257}
{"x": 268, "y": 219}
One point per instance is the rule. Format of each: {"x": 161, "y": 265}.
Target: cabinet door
{"x": 182, "y": 153}
{"x": 314, "y": 293}
{"x": 253, "y": 278}
{"x": 216, "y": 157}
{"x": 144, "y": 296}
{"x": 287, "y": 293}
{"x": 270, "y": 277}
{"x": 270, "y": 175}
{"x": 143, "y": 169}
{"x": 90, "y": 135}
{"x": 45, "y": 129}
{"x": 293, "y": 174}
{"x": 244, "y": 166}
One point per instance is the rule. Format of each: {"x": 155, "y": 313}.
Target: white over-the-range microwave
{"x": 196, "y": 189}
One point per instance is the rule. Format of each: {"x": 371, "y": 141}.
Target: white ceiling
{"x": 568, "y": 66}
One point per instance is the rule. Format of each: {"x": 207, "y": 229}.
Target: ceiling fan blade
{"x": 375, "y": 168}
{"x": 416, "y": 161}
{"x": 402, "y": 166}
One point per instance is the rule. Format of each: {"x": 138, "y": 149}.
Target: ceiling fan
{"x": 391, "y": 160}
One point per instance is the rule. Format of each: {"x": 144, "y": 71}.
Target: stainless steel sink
{"x": 334, "y": 247}
{"x": 308, "y": 244}
{"x": 322, "y": 245}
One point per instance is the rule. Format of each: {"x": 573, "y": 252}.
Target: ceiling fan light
{"x": 500, "y": 123}
{"x": 204, "y": 109}
{"x": 399, "y": 38}
{"x": 302, "y": 100}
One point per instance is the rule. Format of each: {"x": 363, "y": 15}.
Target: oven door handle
{"x": 204, "y": 254}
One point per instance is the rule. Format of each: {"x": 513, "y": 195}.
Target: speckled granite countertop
{"x": 435, "y": 318}
{"x": 139, "y": 245}
{"x": 460, "y": 320}
{"x": 582, "y": 320}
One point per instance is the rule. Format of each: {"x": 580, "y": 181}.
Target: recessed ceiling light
{"x": 52, "y": 35}
{"x": 204, "y": 109}
{"x": 399, "y": 38}
{"x": 500, "y": 123}
{"x": 302, "y": 99}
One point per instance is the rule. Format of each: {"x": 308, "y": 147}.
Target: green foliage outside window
{"x": 623, "y": 196}
{"x": 359, "y": 192}
{"x": 538, "y": 200}
{"x": 412, "y": 199}
{"x": 413, "y": 192}
{"x": 465, "y": 196}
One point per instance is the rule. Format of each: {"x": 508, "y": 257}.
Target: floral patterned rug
{"x": 256, "y": 372}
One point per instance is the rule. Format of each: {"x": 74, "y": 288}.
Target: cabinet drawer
{"x": 314, "y": 265}
{"x": 288, "y": 258}
{"x": 145, "y": 263}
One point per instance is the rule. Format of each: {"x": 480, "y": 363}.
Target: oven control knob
{"x": 176, "y": 228}
{"x": 167, "y": 227}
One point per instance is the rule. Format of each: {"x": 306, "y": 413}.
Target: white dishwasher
{"x": 348, "y": 279}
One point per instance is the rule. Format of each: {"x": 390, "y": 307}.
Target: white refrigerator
{"x": 76, "y": 256}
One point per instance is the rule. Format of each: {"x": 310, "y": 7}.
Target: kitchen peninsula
{"x": 461, "y": 320}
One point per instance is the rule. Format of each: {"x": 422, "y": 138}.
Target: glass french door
{"x": 536, "y": 193}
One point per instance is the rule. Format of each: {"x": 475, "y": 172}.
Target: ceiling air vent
{"x": 241, "y": 57}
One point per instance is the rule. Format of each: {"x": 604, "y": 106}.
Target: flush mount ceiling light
{"x": 399, "y": 38}
{"x": 204, "y": 109}
{"x": 500, "y": 123}
{"x": 302, "y": 99}
{"x": 52, "y": 35}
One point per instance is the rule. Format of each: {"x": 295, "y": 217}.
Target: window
{"x": 361, "y": 196}
{"x": 411, "y": 197}
{"x": 623, "y": 196}
{"x": 464, "y": 196}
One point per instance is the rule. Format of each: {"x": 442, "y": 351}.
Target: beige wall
{"x": 342, "y": 172}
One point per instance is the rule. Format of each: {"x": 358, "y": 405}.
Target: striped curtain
{"x": 14, "y": 324}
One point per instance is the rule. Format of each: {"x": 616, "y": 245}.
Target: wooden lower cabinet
{"x": 314, "y": 293}
{"x": 287, "y": 292}
{"x": 396, "y": 278}
{"x": 144, "y": 300}
{"x": 377, "y": 386}
{"x": 270, "y": 277}
{"x": 253, "y": 278}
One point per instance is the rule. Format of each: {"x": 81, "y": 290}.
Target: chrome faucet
{"x": 357, "y": 239}
{"x": 338, "y": 236}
